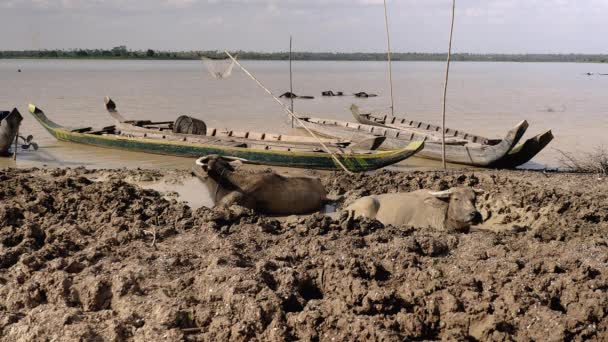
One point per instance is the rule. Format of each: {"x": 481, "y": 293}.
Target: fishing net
{"x": 218, "y": 68}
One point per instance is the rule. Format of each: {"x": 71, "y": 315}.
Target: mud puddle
{"x": 189, "y": 190}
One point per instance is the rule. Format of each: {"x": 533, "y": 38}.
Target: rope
{"x": 293, "y": 116}
{"x": 445, "y": 88}
{"x": 390, "y": 65}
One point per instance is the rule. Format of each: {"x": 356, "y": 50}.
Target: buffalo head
{"x": 217, "y": 165}
{"x": 461, "y": 211}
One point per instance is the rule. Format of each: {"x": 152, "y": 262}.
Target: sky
{"x": 481, "y": 26}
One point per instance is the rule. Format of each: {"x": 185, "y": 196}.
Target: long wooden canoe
{"x": 9, "y": 127}
{"x": 137, "y": 127}
{"x": 518, "y": 155}
{"x": 251, "y": 153}
{"x": 418, "y": 127}
{"x": 474, "y": 155}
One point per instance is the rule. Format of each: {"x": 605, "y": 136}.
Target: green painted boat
{"x": 302, "y": 157}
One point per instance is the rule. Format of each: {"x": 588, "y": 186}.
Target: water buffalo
{"x": 332, "y": 93}
{"x": 267, "y": 192}
{"x": 291, "y": 95}
{"x": 451, "y": 210}
{"x": 364, "y": 94}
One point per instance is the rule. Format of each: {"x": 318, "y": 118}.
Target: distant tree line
{"x": 121, "y": 52}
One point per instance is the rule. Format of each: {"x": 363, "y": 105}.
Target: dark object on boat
{"x": 9, "y": 127}
{"x": 364, "y": 94}
{"x": 331, "y": 93}
{"x": 18, "y": 70}
{"x": 183, "y": 145}
{"x": 291, "y": 95}
{"x": 189, "y": 125}
{"x": 589, "y": 73}
{"x": 517, "y": 156}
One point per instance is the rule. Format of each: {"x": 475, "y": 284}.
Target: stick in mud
{"x": 445, "y": 88}
{"x": 153, "y": 233}
{"x": 16, "y": 143}
{"x": 390, "y": 65}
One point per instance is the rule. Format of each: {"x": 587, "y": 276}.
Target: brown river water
{"x": 484, "y": 98}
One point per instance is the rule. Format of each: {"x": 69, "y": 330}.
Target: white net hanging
{"x": 218, "y": 68}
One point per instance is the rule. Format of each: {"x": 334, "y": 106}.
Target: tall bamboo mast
{"x": 445, "y": 88}
{"x": 390, "y": 64}
{"x": 290, "y": 80}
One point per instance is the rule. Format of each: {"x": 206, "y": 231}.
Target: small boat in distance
{"x": 183, "y": 145}
{"x": 9, "y": 127}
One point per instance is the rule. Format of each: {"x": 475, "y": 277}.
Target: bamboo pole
{"x": 16, "y": 143}
{"x": 445, "y": 88}
{"x": 293, "y": 116}
{"x": 290, "y": 80}
{"x": 390, "y": 64}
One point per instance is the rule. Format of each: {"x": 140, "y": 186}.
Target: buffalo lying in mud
{"x": 451, "y": 210}
{"x": 267, "y": 192}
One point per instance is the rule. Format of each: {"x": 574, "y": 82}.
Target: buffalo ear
{"x": 435, "y": 202}
{"x": 441, "y": 194}
{"x": 202, "y": 162}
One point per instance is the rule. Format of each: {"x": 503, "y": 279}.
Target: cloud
{"x": 335, "y": 25}
{"x": 180, "y": 3}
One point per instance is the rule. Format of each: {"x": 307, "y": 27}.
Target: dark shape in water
{"x": 332, "y": 93}
{"x": 364, "y": 94}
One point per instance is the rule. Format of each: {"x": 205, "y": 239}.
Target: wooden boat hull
{"x": 421, "y": 127}
{"x": 524, "y": 152}
{"x": 480, "y": 156}
{"x": 130, "y": 127}
{"x": 9, "y": 127}
{"x": 355, "y": 162}
{"x": 517, "y": 156}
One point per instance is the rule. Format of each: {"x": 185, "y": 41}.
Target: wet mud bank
{"x": 91, "y": 255}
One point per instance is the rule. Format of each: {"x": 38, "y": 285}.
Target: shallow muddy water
{"x": 484, "y": 98}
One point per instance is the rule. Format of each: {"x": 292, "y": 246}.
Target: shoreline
{"x": 298, "y": 60}
{"x": 307, "y": 56}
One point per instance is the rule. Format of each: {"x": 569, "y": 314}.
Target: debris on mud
{"x": 77, "y": 262}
